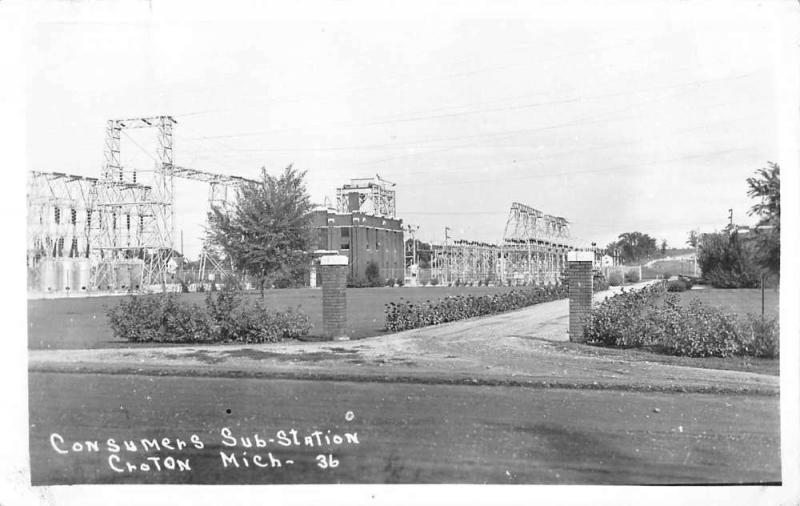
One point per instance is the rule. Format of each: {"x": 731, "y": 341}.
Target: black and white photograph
{"x": 357, "y": 247}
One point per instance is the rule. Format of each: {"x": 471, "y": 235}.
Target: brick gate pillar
{"x": 579, "y": 276}
{"x": 334, "y": 295}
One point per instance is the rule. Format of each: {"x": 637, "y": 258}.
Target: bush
{"x": 162, "y": 318}
{"x": 599, "y": 282}
{"x": 728, "y": 261}
{"x": 677, "y": 285}
{"x": 666, "y": 275}
{"x": 434, "y": 281}
{"x": 632, "y": 276}
{"x": 615, "y": 279}
{"x": 356, "y": 282}
{"x": 373, "y": 274}
{"x": 761, "y": 336}
{"x": 158, "y": 318}
{"x": 649, "y": 319}
{"x": 406, "y": 315}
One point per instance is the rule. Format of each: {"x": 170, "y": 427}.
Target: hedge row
{"x": 406, "y": 315}
{"x": 650, "y": 318}
{"x": 226, "y": 318}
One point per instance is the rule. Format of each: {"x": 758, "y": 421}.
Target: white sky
{"x": 637, "y": 116}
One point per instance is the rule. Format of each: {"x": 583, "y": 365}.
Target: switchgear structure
{"x": 533, "y": 251}
{"x": 115, "y": 232}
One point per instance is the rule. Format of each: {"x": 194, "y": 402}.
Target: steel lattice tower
{"x": 136, "y": 229}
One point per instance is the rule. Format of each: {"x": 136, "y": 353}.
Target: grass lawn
{"x": 672, "y": 267}
{"x": 737, "y": 300}
{"x": 81, "y": 322}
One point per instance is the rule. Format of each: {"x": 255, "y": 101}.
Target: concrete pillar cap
{"x": 333, "y": 260}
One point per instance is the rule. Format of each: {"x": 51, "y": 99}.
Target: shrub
{"x": 615, "y": 279}
{"x": 283, "y": 283}
{"x": 728, "y": 261}
{"x": 649, "y": 319}
{"x": 434, "y": 281}
{"x": 256, "y": 324}
{"x": 158, "y": 318}
{"x": 406, "y": 315}
{"x": 632, "y": 276}
{"x": 666, "y": 275}
{"x": 373, "y": 274}
{"x": 599, "y": 282}
{"x": 162, "y": 318}
{"x": 676, "y": 285}
{"x": 761, "y": 336}
{"x": 356, "y": 281}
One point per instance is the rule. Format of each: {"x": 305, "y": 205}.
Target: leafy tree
{"x": 692, "y": 240}
{"x": 423, "y": 252}
{"x": 266, "y": 233}
{"x": 766, "y": 187}
{"x": 727, "y": 261}
{"x": 634, "y": 246}
{"x": 663, "y": 247}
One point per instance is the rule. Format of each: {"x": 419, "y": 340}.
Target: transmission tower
{"x": 136, "y": 230}
{"x": 222, "y": 191}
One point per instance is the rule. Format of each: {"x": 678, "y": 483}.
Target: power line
{"x": 413, "y": 77}
{"x": 577, "y": 99}
{"x": 618, "y": 168}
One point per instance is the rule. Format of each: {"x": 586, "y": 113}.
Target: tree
{"x": 663, "y": 247}
{"x": 692, "y": 241}
{"x": 266, "y": 233}
{"x": 727, "y": 261}
{"x": 423, "y": 252}
{"x": 635, "y": 246}
{"x": 766, "y": 187}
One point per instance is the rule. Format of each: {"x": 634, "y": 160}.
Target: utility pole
{"x": 412, "y": 229}
{"x": 447, "y": 255}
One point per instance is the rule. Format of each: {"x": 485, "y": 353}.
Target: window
{"x": 345, "y": 244}
{"x": 377, "y": 243}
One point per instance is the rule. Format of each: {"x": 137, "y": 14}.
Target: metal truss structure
{"x": 222, "y": 192}
{"x": 373, "y": 196}
{"x": 60, "y": 217}
{"x": 117, "y": 231}
{"x": 467, "y": 262}
{"x": 135, "y": 237}
{"x": 533, "y": 251}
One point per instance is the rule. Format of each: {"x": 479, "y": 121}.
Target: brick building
{"x": 363, "y": 226}
{"x": 363, "y": 239}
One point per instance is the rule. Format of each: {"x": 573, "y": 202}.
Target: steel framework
{"x": 533, "y": 251}
{"x": 121, "y": 224}
{"x": 373, "y": 196}
{"x": 222, "y": 193}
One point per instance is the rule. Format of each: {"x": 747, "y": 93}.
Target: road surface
{"x": 404, "y": 433}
